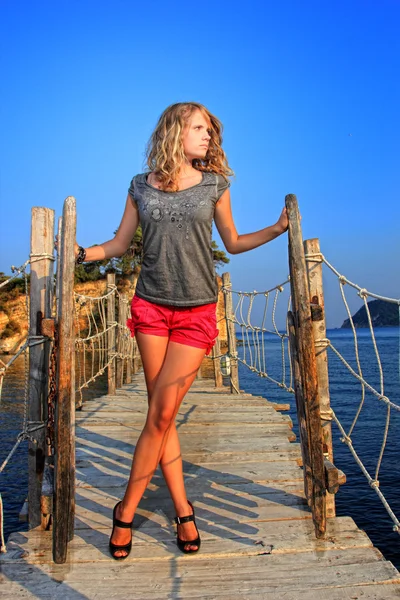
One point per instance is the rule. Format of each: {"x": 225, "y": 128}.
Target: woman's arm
{"x": 235, "y": 243}
{"x": 120, "y": 242}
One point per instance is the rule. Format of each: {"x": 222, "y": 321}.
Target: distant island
{"x": 383, "y": 314}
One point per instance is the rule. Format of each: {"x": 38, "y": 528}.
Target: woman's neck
{"x": 187, "y": 171}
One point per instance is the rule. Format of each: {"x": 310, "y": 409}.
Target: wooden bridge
{"x": 264, "y": 503}
{"x": 242, "y": 473}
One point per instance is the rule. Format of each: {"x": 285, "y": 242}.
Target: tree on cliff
{"x": 130, "y": 262}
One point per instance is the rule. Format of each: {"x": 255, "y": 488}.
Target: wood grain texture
{"x": 64, "y": 460}
{"x": 258, "y": 537}
{"x": 41, "y": 298}
{"x": 216, "y": 351}
{"x": 234, "y": 377}
{"x": 307, "y": 364}
{"x": 317, "y": 303}
{"x": 111, "y": 336}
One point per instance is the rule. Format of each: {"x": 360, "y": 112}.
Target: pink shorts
{"x": 193, "y": 326}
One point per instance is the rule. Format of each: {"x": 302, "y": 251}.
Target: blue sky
{"x": 308, "y": 93}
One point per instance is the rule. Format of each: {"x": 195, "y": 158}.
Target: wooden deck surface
{"x": 242, "y": 474}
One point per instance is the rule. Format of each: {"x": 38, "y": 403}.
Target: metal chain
{"x": 52, "y": 395}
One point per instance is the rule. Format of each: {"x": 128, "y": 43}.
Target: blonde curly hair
{"x": 165, "y": 154}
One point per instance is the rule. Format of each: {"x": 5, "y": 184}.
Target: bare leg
{"x": 153, "y": 351}
{"x": 174, "y": 379}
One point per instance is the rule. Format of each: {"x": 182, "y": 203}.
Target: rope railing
{"x": 28, "y": 427}
{"x": 253, "y": 342}
{"x": 92, "y": 329}
{"x": 254, "y": 353}
{"x": 92, "y": 350}
{"x": 358, "y": 375}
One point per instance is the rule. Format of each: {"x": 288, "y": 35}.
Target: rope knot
{"x": 383, "y": 398}
{"x": 322, "y": 343}
{"x": 314, "y": 257}
{"x": 342, "y": 279}
{"x": 24, "y": 435}
{"x": 346, "y": 440}
{"x": 374, "y": 483}
{"x": 363, "y": 293}
{"x": 326, "y": 415}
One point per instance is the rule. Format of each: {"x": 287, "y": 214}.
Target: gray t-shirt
{"x": 177, "y": 267}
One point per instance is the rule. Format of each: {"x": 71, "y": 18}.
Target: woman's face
{"x": 196, "y": 136}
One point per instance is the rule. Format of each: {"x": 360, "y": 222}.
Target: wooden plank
{"x": 256, "y": 564}
{"x": 46, "y": 588}
{"x": 192, "y": 411}
{"x": 245, "y": 430}
{"x": 269, "y": 508}
{"x": 200, "y": 457}
{"x": 101, "y": 475}
{"x": 265, "y": 436}
{"x": 121, "y": 449}
{"x": 191, "y": 418}
{"x": 140, "y": 404}
{"x": 156, "y": 542}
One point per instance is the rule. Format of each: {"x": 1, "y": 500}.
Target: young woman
{"x": 174, "y": 308}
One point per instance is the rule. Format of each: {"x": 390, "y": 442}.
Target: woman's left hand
{"x": 283, "y": 221}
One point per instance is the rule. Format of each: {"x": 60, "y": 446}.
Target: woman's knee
{"x": 161, "y": 418}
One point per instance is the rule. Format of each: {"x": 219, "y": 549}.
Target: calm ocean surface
{"x": 355, "y": 498}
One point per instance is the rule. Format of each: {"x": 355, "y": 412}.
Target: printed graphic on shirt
{"x": 181, "y": 213}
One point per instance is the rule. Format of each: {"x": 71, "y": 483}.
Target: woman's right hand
{"x": 76, "y": 247}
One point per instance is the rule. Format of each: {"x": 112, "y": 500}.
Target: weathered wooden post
{"x": 136, "y": 357}
{"x": 316, "y": 299}
{"x": 111, "y": 333}
{"x": 58, "y": 278}
{"x": 127, "y": 340}
{"x": 41, "y": 296}
{"x": 231, "y": 335}
{"x": 307, "y": 366}
{"x": 216, "y": 353}
{"x": 301, "y": 411}
{"x": 120, "y": 345}
{"x": 64, "y": 472}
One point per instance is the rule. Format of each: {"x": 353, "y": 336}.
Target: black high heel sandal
{"x": 182, "y": 543}
{"x": 114, "y": 547}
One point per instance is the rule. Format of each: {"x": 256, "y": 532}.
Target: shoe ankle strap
{"x": 122, "y": 524}
{"x": 181, "y": 520}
